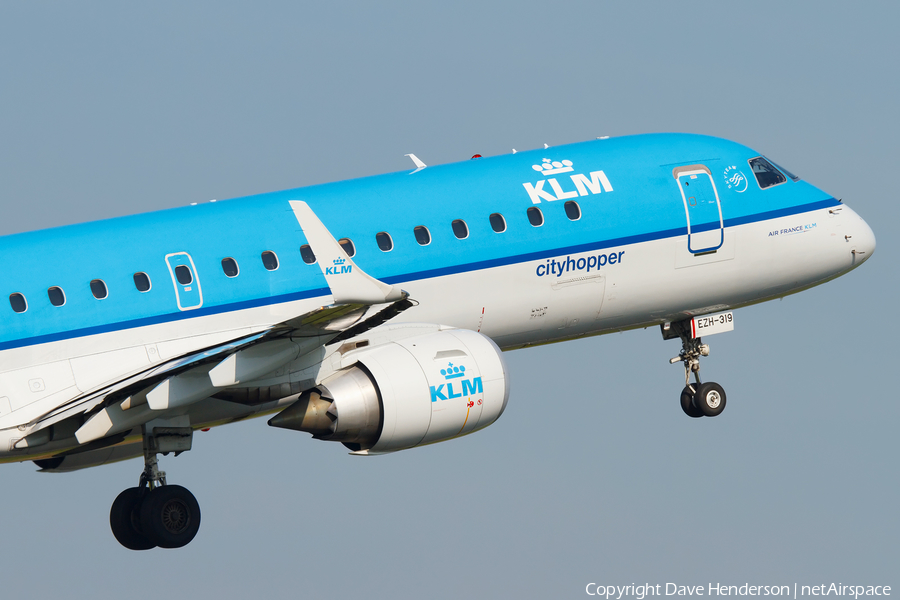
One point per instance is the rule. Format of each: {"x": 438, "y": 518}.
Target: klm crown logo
{"x": 339, "y": 267}
{"x": 554, "y": 167}
{"x": 468, "y": 387}
{"x": 452, "y": 372}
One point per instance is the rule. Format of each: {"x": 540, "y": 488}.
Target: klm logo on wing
{"x": 455, "y": 376}
{"x": 338, "y": 268}
{"x": 584, "y": 184}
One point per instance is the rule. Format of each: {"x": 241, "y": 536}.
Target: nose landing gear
{"x": 697, "y": 399}
{"x": 155, "y": 514}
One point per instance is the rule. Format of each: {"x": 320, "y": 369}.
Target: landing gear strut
{"x": 697, "y": 399}
{"x": 155, "y": 514}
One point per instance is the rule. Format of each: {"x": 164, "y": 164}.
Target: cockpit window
{"x": 785, "y": 171}
{"x": 766, "y": 174}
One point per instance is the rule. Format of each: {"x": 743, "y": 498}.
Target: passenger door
{"x": 701, "y": 208}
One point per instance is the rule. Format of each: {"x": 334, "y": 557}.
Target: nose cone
{"x": 862, "y": 239}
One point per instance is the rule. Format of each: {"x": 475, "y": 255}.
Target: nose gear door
{"x": 701, "y": 208}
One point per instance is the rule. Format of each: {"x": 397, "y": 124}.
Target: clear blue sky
{"x": 593, "y": 474}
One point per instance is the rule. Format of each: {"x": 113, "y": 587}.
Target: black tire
{"x": 124, "y": 520}
{"x": 710, "y": 399}
{"x": 687, "y": 402}
{"x": 170, "y": 516}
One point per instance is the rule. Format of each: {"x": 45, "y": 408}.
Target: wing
{"x": 360, "y": 302}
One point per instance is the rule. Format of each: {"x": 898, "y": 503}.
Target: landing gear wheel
{"x": 687, "y": 402}
{"x": 710, "y": 399}
{"x": 124, "y": 520}
{"x": 170, "y": 516}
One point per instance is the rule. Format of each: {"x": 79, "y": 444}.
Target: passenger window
{"x": 535, "y": 216}
{"x": 183, "y": 275}
{"x": 307, "y": 254}
{"x": 347, "y": 245}
{"x": 573, "y": 211}
{"x": 230, "y": 267}
{"x": 766, "y": 174}
{"x": 460, "y": 229}
{"x": 98, "y": 288}
{"x": 423, "y": 236}
{"x": 270, "y": 261}
{"x": 142, "y": 282}
{"x": 385, "y": 243}
{"x": 17, "y": 301}
{"x": 57, "y": 296}
{"x": 498, "y": 223}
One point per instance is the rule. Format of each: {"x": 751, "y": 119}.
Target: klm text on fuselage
{"x": 583, "y": 186}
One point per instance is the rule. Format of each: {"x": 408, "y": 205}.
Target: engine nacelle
{"x": 406, "y": 393}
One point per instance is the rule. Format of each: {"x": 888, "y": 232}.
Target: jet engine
{"x": 406, "y": 393}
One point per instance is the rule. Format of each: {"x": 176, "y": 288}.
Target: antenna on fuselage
{"x": 419, "y": 164}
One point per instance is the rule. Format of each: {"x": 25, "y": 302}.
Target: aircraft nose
{"x": 862, "y": 239}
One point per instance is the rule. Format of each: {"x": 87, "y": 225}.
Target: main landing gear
{"x": 155, "y": 514}
{"x": 697, "y": 399}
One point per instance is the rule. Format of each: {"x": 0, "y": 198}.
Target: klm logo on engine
{"x": 455, "y": 376}
{"x": 594, "y": 183}
{"x": 338, "y": 268}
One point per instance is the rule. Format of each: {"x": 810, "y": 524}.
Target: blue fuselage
{"x": 636, "y": 200}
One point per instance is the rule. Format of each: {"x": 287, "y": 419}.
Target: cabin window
{"x": 460, "y": 229}
{"x": 573, "y": 211}
{"x": 142, "y": 282}
{"x": 766, "y": 174}
{"x": 535, "y": 216}
{"x": 98, "y": 287}
{"x": 423, "y": 236}
{"x": 307, "y": 254}
{"x": 57, "y": 296}
{"x": 385, "y": 243}
{"x": 270, "y": 261}
{"x": 347, "y": 245}
{"x": 230, "y": 267}
{"x": 498, "y": 223}
{"x": 17, "y": 302}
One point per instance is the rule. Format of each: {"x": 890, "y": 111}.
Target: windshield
{"x": 785, "y": 171}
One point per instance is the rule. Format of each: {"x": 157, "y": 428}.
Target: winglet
{"x": 349, "y": 284}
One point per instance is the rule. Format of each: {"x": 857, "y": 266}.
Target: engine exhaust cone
{"x": 309, "y": 413}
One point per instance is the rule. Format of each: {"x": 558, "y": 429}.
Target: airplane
{"x": 374, "y": 312}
